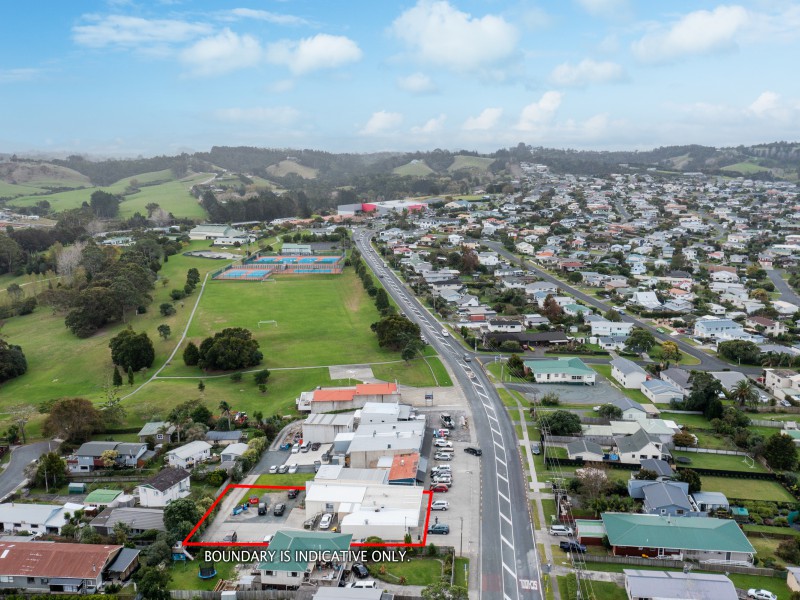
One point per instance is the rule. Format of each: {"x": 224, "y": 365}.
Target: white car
{"x": 440, "y": 505}
{"x": 442, "y": 443}
{"x": 560, "y": 530}
{"x": 295, "y": 448}
{"x": 443, "y": 456}
{"x": 445, "y": 333}
{"x": 293, "y": 468}
{"x": 445, "y": 478}
{"x": 441, "y": 469}
{"x": 761, "y": 594}
{"x": 273, "y": 469}
{"x": 325, "y": 521}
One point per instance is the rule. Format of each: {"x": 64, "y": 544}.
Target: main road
{"x": 707, "y": 362}
{"x": 508, "y": 563}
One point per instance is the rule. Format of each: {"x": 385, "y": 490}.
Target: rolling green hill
{"x": 415, "y": 168}
{"x": 478, "y": 163}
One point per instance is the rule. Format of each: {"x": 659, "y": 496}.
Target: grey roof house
{"x": 663, "y": 498}
{"x": 648, "y": 585}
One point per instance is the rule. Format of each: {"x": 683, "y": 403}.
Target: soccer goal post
{"x": 260, "y": 323}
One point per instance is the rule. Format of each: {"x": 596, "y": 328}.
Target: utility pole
{"x": 461, "y": 549}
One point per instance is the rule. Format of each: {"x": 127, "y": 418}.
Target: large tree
{"x": 104, "y": 205}
{"x": 11, "y": 255}
{"x": 639, "y": 340}
{"x": 395, "y": 332}
{"x": 744, "y": 392}
{"x": 51, "y": 471}
{"x": 741, "y": 351}
{"x": 692, "y": 478}
{"x": 560, "y": 422}
{"x": 131, "y": 350}
{"x": 780, "y": 452}
{"x": 12, "y": 361}
{"x": 232, "y": 348}
{"x": 705, "y": 389}
{"x": 181, "y": 516}
{"x": 73, "y": 420}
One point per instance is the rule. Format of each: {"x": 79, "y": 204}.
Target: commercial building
{"x": 323, "y": 400}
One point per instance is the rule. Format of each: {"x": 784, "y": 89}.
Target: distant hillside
{"x": 470, "y": 163}
{"x": 41, "y": 175}
{"x": 285, "y": 167}
{"x": 414, "y": 168}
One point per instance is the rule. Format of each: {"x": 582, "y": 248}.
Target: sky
{"x": 131, "y": 77}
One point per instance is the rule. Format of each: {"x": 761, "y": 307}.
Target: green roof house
{"x": 101, "y": 498}
{"x": 289, "y": 571}
{"x": 560, "y": 370}
{"x": 701, "y": 539}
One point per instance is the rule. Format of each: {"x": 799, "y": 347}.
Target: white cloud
{"x": 282, "y": 86}
{"x": 605, "y": 8}
{"x": 16, "y": 75}
{"x": 768, "y": 103}
{"x": 381, "y": 122}
{"x": 486, "y": 120}
{"x": 417, "y": 83}
{"x": 699, "y": 32}
{"x": 539, "y": 113}
{"x": 269, "y": 17}
{"x": 434, "y": 125}
{"x": 439, "y": 34}
{"x": 322, "y": 51}
{"x": 129, "y": 32}
{"x": 275, "y": 115}
{"x": 221, "y": 53}
{"x": 587, "y": 72}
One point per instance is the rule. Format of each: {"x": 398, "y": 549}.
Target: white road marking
{"x": 506, "y": 542}
{"x": 502, "y": 462}
{"x": 502, "y": 515}
{"x": 501, "y": 494}
{"x": 511, "y": 572}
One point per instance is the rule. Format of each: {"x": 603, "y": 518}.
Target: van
{"x": 367, "y": 584}
{"x": 560, "y": 530}
{"x": 305, "y": 447}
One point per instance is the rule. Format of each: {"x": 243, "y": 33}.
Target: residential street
{"x": 21, "y": 457}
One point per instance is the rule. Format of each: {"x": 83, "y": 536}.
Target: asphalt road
{"x": 508, "y": 564}
{"x": 21, "y": 457}
{"x": 787, "y": 293}
{"x": 707, "y": 362}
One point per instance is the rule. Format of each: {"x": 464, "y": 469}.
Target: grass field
{"x": 724, "y": 462}
{"x": 283, "y": 168}
{"x": 747, "y": 489}
{"x": 635, "y": 395}
{"x": 322, "y": 320}
{"x": 419, "y": 571}
{"x": 172, "y": 195}
{"x": 413, "y": 169}
{"x": 419, "y": 372}
{"x": 461, "y": 572}
{"x": 745, "y": 168}
{"x": 470, "y": 162}
{"x": 686, "y": 359}
{"x": 184, "y": 575}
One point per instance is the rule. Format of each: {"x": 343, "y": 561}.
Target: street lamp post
{"x": 461, "y": 548}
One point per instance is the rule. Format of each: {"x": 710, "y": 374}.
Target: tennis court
{"x": 244, "y": 274}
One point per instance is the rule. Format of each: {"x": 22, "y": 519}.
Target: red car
{"x": 440, "y": 487}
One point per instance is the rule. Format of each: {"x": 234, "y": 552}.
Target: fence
{"x": 595, "y": 421}
{"x": 711, "y": 451}
{"x": 731, "y": 474}
{"x": 765, "y": 423}
{"x": 679, "y": 564}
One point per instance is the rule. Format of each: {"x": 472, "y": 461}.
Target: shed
{"x": 590, "y": 531}
{"x": 77, "y": 488}
{"x": 102, "y": 497}
{"x": 124, "y": 564}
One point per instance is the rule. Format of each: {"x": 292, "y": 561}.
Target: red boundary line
{"x": 234, "y": 486}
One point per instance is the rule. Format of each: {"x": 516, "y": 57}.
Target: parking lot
{"x": 592, "y": 395}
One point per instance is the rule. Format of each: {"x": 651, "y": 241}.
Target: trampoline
{"x": 207, "y": 571}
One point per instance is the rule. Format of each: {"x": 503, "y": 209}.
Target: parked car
{"x": 293, "y": 494}
{"x": 441, "y": 469}
{"x": 282, "y": 469}
{"x": 293, "y": 468}
{"x": 661, "y": 330}
{"x": 561, "y": 530}
{"x": 761, "y": 594}
{"x": 325, "y": 521}
{"x": 443, "y": 478}
{"x": 279, "y": 509}
{"x": 443, "y": 456}
{"x": 295, "y": 448}
{"x": 473, "y": 451}
{"x": 571, "y": 546}
{"x": 273, "y": 469}
{"x": 439, "y": 529}
{"x": 440, "y": 505}
{"x": 447, "y": 420}
{"x": 785, "y": 403}
{"x": 315, "y": 446}
{"x": 440, "y": 487}
{"x": 305, "y": 447}
{"x": 467, "y": 358}
{"x": 317, "y": 465}
{"x": 262, "y": 508}
{"x": 536, "y": 448}
{"x": 369, "y": 584}
{"x": 360, "y": 571}
{"x": 442, "y": 443}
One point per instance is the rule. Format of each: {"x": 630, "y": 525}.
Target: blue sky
{"x": 127, "y": 77}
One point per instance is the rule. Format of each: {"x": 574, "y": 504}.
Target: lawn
{"x": 747, "y": 489}
{"x": 461, "y": 572}
{"x": 321, "y": 320}
{"x": 725, "y": 462}
{"x": 691, "y": 421}
{"x": 284, "y": 479}
{"x": 419, "y": 571}
{"x": 419, "y": 372}
{"x": 470, "y": 162}
{"x": 184, "y": 575}
{"x": 60, "y": 364}
{"x": 686, "y": 359}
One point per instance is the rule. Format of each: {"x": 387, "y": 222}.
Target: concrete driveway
{"x": 21, "y": 457}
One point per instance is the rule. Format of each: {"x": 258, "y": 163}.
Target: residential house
{"x": 627, "y": 373}
{"x": 90, "y": 456}
{"x": 659, "y": 391}
{"x": 102, "y": 498}
{"x": 223, "y": 438}
{"x": 708, "y": 501}
{"x": 288, "y": 574}
{"x": 647, "y": 300}
{"x": 631, "y": 449}
{"x": 169, "y": 484}
{"x": 782, "y": 383}
{"x": 49, "y": 568}
{"x": 712, "y": 540}
{"x": 677, "y": 585}
{"x": 499, "y": 325}
{"x": 631, "y": 410}
{"x": 574, "y": 310}
{"x": 728, "y": 379}
{"x": 610, "y": 328}
{"x": 585, "y": 450}
{"x": 723, "y": 330}
{"x": 611, "y": 343}
{"x": 160, "y": 431}
{"x": 35, "y": 518}
{"x": 767, "y": 326}
{"x": 560, "y": 370}
{"x": 138, "y": 520}
{"x": 663, "y": 498}
{"x": 678, "y": 378}
{"x": 189, "y": 455}
{"x": 232, "y": 452}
